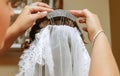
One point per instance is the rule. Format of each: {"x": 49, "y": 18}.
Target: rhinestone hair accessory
{"x": 62, "y": 14}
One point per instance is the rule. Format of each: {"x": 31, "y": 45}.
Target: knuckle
{"x": 36, "y": 3}
{"x": 26, "y": 6}
{"x": 95, "y": 15}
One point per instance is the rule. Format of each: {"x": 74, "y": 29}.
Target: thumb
{"x": 39, "y": 15}
{"x": 77, "y": 13}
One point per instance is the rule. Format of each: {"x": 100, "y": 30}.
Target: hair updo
{"x": 41, "y": 23}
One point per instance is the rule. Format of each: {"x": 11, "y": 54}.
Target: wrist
{"x": 16, "y": 26}
{"x": 93, "y": 33}
{"x": 96, "y": 35}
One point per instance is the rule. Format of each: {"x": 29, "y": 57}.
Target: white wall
{"x": 99, "y": 7}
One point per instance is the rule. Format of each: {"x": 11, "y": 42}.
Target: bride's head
{"x": 42, "y": 23}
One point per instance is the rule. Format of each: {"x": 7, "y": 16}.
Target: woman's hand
{"x": 25, "y": 20}
{"x": 90, "y": 19}
{"x": 30, "y": 14}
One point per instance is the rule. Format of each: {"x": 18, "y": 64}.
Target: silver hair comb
{"x": 61, "y": 13}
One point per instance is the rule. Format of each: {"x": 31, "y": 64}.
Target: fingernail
{"x": 45, "y": 12}
{"x": 38, "y": 12}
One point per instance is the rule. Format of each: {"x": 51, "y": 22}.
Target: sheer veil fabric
{"x": 56, "y": 51}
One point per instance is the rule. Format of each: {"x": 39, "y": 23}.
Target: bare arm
{"x": 23, "y": 22}
{"x": 102, "y": 60}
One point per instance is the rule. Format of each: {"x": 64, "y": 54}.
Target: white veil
{"x": 56, "y": 51}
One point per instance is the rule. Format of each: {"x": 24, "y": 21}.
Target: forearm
{"x": 12, "y": 34}
{"x": 25, "y": 21}
{"x": 102, "y": 60}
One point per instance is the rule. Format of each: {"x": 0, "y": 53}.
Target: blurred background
{"x": 107, "y": 10}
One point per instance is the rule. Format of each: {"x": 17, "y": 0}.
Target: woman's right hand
{"x": 101, "y": 54}
{"x": 90, "y": 19}
{"x": 30, "y": 14}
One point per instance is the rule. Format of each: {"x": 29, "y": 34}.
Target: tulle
{"x": 56, "y": 51}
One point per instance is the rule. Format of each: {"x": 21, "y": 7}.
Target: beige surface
{"x": 8, "y": 70}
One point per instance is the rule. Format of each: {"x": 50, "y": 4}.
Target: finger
{"x": 41, "y": 4}
{"x": 85, "y": 29}
{"x": 82, "y": 20}
{"x": 87, "y": 13}
{"x": 77, "y": 13}
{"x": 35, "y": 9}
{"x": 39, "y": 15}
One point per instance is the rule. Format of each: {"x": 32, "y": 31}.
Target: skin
{"x": 25, "y": 20}
{"x": 5, "y": 15}
{"x": 102, "y": 59}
